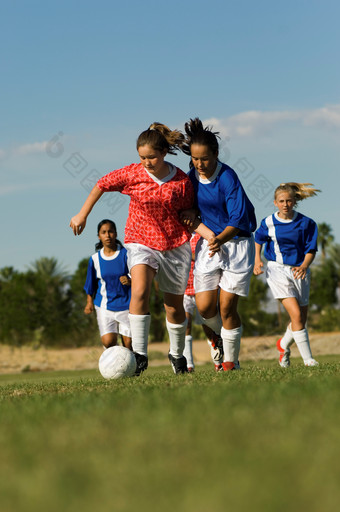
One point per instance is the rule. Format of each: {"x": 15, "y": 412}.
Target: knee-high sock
{"x": 140, "y": 326}
{"x": 288, "y": 338}
{"x": 302, "y": 342}
{"x": 215, "y": 323}
{"x": 188, "y": 351}
{"x": 231, "y": 343}
{"x": 176, "y": 337}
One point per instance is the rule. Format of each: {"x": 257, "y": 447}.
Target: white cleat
{"x": 311, "y": 362}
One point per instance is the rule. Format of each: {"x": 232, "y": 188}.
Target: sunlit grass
{"x": 263, "y": 439}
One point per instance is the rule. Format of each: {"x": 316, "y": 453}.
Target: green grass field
{"x": 261, "y": 439}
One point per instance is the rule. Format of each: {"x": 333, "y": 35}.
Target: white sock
{"x": 188, "y": 351}
{"x": 287, "y": 339}
{"x": 140, "y": 326}
{"x": 231, "y": 343}
{"x": 302, "y": 342}
{"x": 176, "y": 337}
{"x": 215, "y": 323}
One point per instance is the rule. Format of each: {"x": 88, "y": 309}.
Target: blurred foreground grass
{"x": 262, "y": 439}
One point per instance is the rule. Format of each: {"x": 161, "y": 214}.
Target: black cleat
{"x": 179, "y": 364}
{"x": 142, "y": 363}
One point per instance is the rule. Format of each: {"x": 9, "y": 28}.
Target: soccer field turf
{"x": 262, "y": 439}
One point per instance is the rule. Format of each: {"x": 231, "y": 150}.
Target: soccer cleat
{"x": 311, "y": 362}
{"x": 218, "y": 368}
{"x": 284, "y": 357}
{"x": 179, "y": 364}
{"x": 142, "y": 363}
{"x": 228, "y": 366}
{"x": 191, "y": 369}
{"x": 216, "y": 349}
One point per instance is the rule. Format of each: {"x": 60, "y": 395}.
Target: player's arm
{"x": 301, "y": 271}
{"x": 258, "y": 262}
{"x": 89, "y": 307}
{"x": 78, "y": 222}
{"x": 202, "y": 229}
{"x": 227, "y": 234}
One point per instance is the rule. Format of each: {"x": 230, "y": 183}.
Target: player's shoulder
{"x": 300, "y": 217}
{"x": 180, "y": 175}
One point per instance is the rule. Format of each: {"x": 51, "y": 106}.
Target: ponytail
{"x": 299, "y": 191}
{"x": 161, "y": 138}
{"x": 196, "y": 133}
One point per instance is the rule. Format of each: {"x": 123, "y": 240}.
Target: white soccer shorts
{"x": 172, "y": 267}
{"x": 282, "y": 284}
{"x": 113, "y": 321}
{"x": 230, "y": 269}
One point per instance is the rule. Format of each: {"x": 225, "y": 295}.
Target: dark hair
{"x": 161, "y": 138}
{"x": 196, "y": 133}
{"x": 99, "y": 244}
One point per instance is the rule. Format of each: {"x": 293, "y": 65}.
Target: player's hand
{"x": 77, "y": 224}
{"x": 188, "y": 217}
{"x": 125, "y": 280}
{"x": 258, "y": 268}
{"x": 214, "y": 245}
{"x": 299, "y": 272}
{"x": 88, "y": 309}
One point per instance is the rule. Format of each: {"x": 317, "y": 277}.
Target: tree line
{"x": 44, "y": 305}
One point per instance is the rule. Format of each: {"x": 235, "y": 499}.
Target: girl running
{"x": 290, "y": 244}
{"x": 156, "y": 240}
{"x": 108, "y": 286}
{"x": 226, "y": 260}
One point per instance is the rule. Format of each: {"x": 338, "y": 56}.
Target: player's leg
{"x": 188, "y": 337}
{"x": 127, "y": 342}
{"x": 176, "y": 324}
{"x": 122, "y": 317}
{"x": 231, "y": 329}
{"x": 298, "y": 316}
{"x": 109, "y": 339}
{"x": 206, "y": 301}
{"x": 108, "y": 327}
{"x": 139, "y": 316}
{"x": 283, "y": 346}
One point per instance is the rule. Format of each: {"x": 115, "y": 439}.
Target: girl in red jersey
{"x": 156, "y": 240}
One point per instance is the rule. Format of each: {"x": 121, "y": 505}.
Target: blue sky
{"x": 81, "y": 80}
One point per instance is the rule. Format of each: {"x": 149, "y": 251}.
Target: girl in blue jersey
{"x": 108, "y": 286}
{"x": 224, "y": 263}
{"x": 290, "y": 244}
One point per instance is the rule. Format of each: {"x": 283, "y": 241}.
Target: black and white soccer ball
{"x": 117, "y": 362}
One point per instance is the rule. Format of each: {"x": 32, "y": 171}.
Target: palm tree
{"x": 325, "y": 237}
{"x": 49, "y": 268}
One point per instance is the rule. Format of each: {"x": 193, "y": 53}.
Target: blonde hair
{"x": 161, "y": 138}
{"x": 299, "y": 191}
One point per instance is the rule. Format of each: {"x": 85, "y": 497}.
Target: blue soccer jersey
{"x": 287, "y": 241}
{"x": 102, "y": 280}
{"x": 223, "y": 202}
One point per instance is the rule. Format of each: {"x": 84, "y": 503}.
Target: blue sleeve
{"x": 91, "y": 283}
{"x": 312, "y": 237}
{"x": 261, "y": 234}
{"x": 240, "y": 209}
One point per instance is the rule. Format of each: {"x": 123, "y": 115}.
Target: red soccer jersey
{"x": 190, "y": 286}
{"x": 153, "y": 218}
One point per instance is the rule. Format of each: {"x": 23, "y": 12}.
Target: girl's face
{"x": 153, "y": 160}
{"x": 107, "y": 235}
{"x": 285, "y": 202}
{"x": 204, "y": 160}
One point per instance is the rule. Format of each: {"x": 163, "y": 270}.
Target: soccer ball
{"x": 117, "y": 362}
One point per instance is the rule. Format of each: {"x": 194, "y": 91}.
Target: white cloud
{"x": 254, "y": 123}
{"x": 33, "y": 148}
